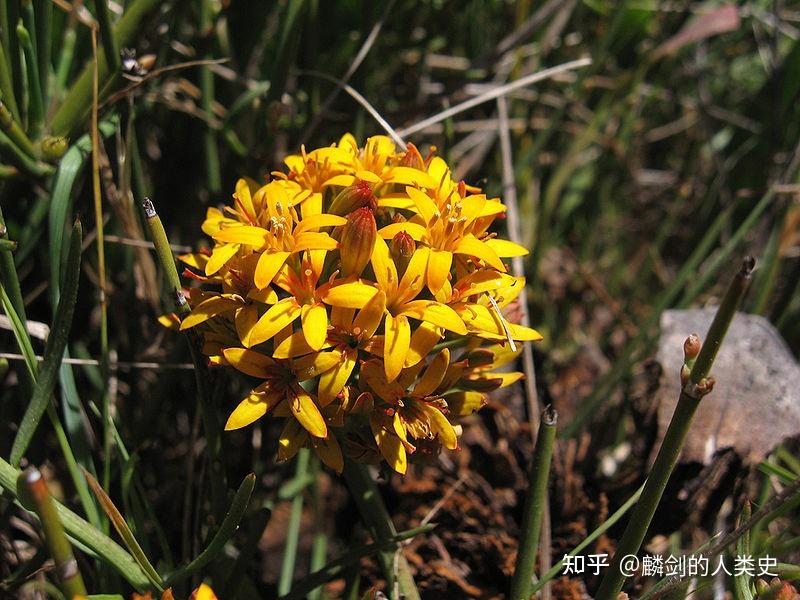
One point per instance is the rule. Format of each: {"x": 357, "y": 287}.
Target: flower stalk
{"x": 698, "y": 385}
{"x": 373, "y": 511}
{"x": 67, "y": 572}
{"x": 534, "y": 505}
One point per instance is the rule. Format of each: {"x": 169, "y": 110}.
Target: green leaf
{"x": 337, "y": 567}
{"x": 54, "y": 350}
{"x": 225, "y": 532}
{"x": 85, "y": 535}
{"x": 124, "y": 531}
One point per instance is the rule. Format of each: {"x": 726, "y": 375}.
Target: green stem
{"x": 207, "y": 87}
{"x": 110, "y": 47}
{"x": 54, "y": 536}
{"x": 14, "y": 131}
{"x": 534, "y": 506}
{"x": 688, "y": 402}
{"x": 373, "y": 511}
{"x": 44, "y": 28}
{"x": 87, "y": 536}
{"x": 210, "y": 422}
{"x": 35, "y": 100}
{"x": 6, "y": 81}
{"x": 293, "y": 529}
{"x": 78, "y": 102}
{"x": 16, "y": 155}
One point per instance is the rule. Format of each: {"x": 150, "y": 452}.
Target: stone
{"x": 755, "y": 403}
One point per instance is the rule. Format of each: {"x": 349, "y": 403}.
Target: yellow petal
{"x": 314, "y": 241}
{"x": 462, "y": 404}
{"x": 472, "y": 246}
{"x": 265, "y": 296}
{"x": 439, "y": 263}
{"x": 291, "y": 439}
{"x": 311, "y": 365}
{"x": 436, "y": 313}
{"x": 276, "y": 318}
{"x": 370, "y": 316}
{"x": 383, "y": 266}
{"x": 390, "y": 446}
{"x": 433, "y": 375}
{"x": 375, "y": 377}
{"x": 242, "y": 234}
{"x": 396, "y": 343}
{"x": 426, "y": 207}
{"x": 251, "y": 409}
{"x": 249, "y": 362}
{"x": 315, "y": 222}
{"x": 292, "y": 346}
{"x": 415, "y": 230}
{"x": 244, "y": 196}
{"x": 440, "y": 425}
{"x": 411, "y": 176}
{"x": 332, "y": 382}
{"x": 424, "y": 338}
{"x": 246, "y": 318}
{"x": 269, "y": 263}
{"x": 483, "y": 321}
{"x": 306, "y": 411}
{"x": 219, "y": 256}
{"x": 506, "y": 249}
{"x": 349, "y": 295}
{"x": 329, "y": 452}
{"x": 204, "y": 592}
{"x": 213, "y": 306}
{"x": 314, "y": 318}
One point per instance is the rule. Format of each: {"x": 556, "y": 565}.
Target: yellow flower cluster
{"x": 365, "y": 290}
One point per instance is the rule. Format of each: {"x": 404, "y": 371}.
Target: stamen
{"x": 503, "y": 322}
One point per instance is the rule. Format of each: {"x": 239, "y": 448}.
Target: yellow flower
{"x": 280, "y": 392}
{"x": 301, "y": 268}
{"x": 400, "y": 304}
{"x": 416, "y": 412}
{"x": 350, "y": 333}
{"x": 282, "y": 234}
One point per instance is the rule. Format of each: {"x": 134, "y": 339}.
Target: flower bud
{"x": 358, "y": 240}
{"x": 402, "y": 249}
{"x": 691, "y": 347}
{"x": 353, "y": 197}
{"x": 412, "y": 158}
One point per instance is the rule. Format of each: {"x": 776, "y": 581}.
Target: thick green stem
{"x": 110, "y": 47}
{"x": 54, "y": 536}
{"x": 78, "y": 103}
{"x": 697, "y": 386}
{"x": 15, "y": 132}
{"x": 534, "y": 506}
{"x": 207, "y": 410}
{"x": 373, "y": 511}
{"x": 213, "y": 177}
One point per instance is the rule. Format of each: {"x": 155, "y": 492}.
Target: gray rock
{"x": 755, "y": 404}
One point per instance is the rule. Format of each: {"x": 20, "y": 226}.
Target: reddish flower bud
{"x": 353, "y": 197}
{"x": 412, "y": 158}
{"x": 402, "y": 249}
{"x": 691, "y": 347}
{"x": 358, "y": 240}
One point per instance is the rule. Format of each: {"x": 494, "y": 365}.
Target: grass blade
{"x": 337, "y": 567}
{"x": 229, "y": 526}
{"x": 54, "y": 350}
{"x": 124, "y": 531}
{"x": 85, "y": 534}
